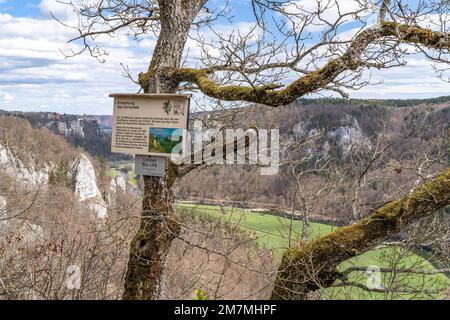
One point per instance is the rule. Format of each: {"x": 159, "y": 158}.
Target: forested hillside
{"x": 348, "y": 135}
{"x": 79, "y": 130}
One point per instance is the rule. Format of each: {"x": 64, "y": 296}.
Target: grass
{"x": 120, "y": 165}
{"x": 272, "y": 232}
{"x": 132, "y": 178}
{"x": 112, "y": 173}
{"x": 418, "y": 285}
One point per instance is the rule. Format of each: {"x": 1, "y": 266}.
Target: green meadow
{"x": 121, "y": 165}
{"x": 272, "y": 232}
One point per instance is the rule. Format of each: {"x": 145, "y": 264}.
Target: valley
{"x": 277, "y": 234}
{"x": 244, "y": 220}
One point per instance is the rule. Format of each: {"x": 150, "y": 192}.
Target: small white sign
{"x": 150, "y": 166}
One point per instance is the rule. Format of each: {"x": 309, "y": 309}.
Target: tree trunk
{"x": 149, "y": 248}
{"x": 158, "y": 226}
{"x": 313, "y": 265}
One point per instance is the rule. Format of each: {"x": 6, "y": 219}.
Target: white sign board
{"x": 149, "y": 124}
{"x": 150, "y": 166}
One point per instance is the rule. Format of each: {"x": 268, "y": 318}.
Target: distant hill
{"x": 396, "y": 103}
{"x": 104, "y": 122}
{"x": 348, "y": 131}
{"x": 92, "y": 133}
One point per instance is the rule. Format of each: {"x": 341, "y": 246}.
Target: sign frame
{"x": 143, "y": 169}
{"x": 163, "y": 131}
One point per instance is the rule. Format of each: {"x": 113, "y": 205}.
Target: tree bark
{"x": 308, "y": 267}
{"x": 159, "y": 226}
{"x": 149, "y": 248}
{"x": 304, "y": 268}
{"x": 315, "y": 80}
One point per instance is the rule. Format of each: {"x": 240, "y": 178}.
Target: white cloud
{"x": 415, "y": 80}
{"x": 36, "y": 76}
{"x": 33, "y": 67}
{"x": 6, "y": 97}
{"x": 330, "y": 12}
{"x": 59, "y": 10}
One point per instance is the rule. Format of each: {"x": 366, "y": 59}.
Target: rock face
{"x": 347, "y": 136}
{"x": 85, "y": 179}
{"x": 80, "y": 131}
{"x": 71, "y": 127}
{"x": 2, "y": 214}
{"x": 13, "y": 166}
{"x": 30, "y": 233}
{"x": 86, "y": 186}
{"x": 118, "y": 182}
{"x": 340, "y": 139}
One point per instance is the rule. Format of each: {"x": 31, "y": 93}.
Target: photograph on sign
{"x": 164, "y": 140}
{"x": 149, "y": 124}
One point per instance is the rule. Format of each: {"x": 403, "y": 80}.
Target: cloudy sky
{"x": 35, "y": 75}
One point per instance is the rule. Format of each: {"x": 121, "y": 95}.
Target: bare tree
{"x": 303, "y": 157}
{"x": 305, "y": 40}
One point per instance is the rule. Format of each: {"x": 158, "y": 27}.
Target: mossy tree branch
{"x": 314, "y": 265}
{"x": 313, "y": 81}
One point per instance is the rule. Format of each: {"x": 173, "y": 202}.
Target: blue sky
{"x": 21, "y": 8}
{"x": 35, "y": 75}
{"x": 166, "y": 132}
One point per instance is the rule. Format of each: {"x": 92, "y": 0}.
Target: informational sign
{"x": 150, "y": 166}
{"x": 149, "y": 124}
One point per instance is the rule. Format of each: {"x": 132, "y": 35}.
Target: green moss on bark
{"x": 150, "y": 245}
{"x": 311, "y": 266}
{"x": 311, "y": 82}
{"x": 417, "y": 35}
